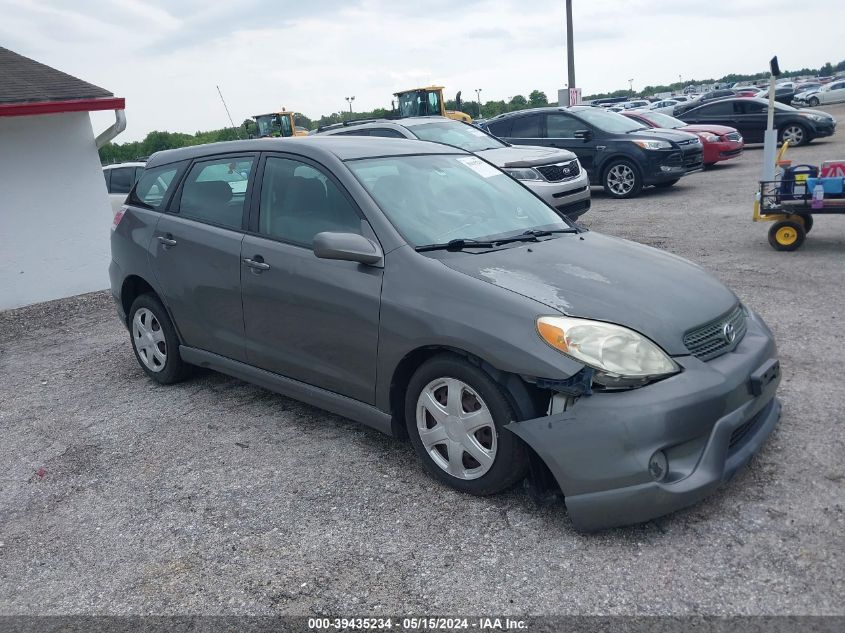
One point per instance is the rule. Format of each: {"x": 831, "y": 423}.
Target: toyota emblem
{"x": 729, "y": 332}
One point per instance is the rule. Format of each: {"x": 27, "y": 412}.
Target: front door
{"x": 560, "y": 132}
{"x": 313, "y": 320}
{"x": 196, "y": 252}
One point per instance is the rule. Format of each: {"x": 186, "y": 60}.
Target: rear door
{"x": 196, "y": 253}
{"x": 313, "y": 320}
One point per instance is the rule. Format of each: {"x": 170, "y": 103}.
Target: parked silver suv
{"x": 553, "y": 174}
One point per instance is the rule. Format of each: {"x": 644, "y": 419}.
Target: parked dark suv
{"x": 620, "y": 154}
{"x": 418, "y": 289}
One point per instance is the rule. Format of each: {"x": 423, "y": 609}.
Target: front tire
{"x": 787, "y": 235}
{"x": 455, "y": 415}
{"x": 622, "y": 179}
{"x": 155, "y": 342}
{"x": 813, "y": 102}
{"x": 796, "y": 134}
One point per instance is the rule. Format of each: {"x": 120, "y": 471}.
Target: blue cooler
{"x": 833, "y": 187}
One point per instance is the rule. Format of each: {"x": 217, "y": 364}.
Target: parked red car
{"x": 719, "y": 142}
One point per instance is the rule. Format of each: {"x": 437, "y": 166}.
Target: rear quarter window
{"x": 154, "y": 186}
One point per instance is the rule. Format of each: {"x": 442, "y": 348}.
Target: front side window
{"x": 215, "y": 191}
{"x": 724, "y": 108}
{"x": 562, "y": 126}
{"x": 456, "y": 134}
{"x": 153, "y": 186}
{"x": 610, "y": 122}
{"x": 501, "y": 128}
{"x": 433, "y": 199}
{"x": 298, "y": 201}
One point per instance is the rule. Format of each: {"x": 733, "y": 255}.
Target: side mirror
{"x": 349, "y": 247}
{"x": 584, "y": 135}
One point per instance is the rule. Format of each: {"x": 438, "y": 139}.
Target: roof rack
{"x": 333, "y": 126}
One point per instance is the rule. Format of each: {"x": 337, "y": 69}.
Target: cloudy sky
{"x": 166, "y": 56}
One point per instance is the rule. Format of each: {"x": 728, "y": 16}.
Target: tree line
{"x": 157, "y": 140}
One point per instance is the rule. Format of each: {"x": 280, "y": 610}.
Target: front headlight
{"x": 711, "y": 138}
{"x": 523, "y": 173}
{"x": 814, "y": 117}
{"x": 653, "y": 144}
{"x": 621, "y": 357}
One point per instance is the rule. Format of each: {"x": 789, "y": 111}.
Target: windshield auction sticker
{"x": 480, "y": 167}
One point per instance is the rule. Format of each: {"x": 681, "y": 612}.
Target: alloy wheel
{"x": 456, "y": 428}
{"x": 621, "y": 179}
{"x": 794, "y": 134}
{"x": 149, "y": 341}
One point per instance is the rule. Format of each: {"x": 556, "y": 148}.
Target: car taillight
{"x": 117, "y": 218}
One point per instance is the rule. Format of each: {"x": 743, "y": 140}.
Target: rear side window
{"x": 717, "y": 109}
{"x": 122, "y": 179}
{"x": 526, "y": 126}
{"x": 215, "y": 191}
{"x": 153, "y": 186}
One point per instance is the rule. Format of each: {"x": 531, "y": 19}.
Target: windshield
{"x": 437, "y": 198}
{"x": 665, "y": 121}
{"x": 457, "y": 134}
{"x": 609, "y": 121}
{"x": 419, "y": 103}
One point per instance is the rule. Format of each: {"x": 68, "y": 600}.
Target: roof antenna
{"x": 237, "y": 131}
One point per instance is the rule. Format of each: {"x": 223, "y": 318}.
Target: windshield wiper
{"x": 456, "y": 245}
{"x": 547, "y": 232}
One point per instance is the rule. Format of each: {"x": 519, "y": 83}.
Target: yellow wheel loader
{"x": 427, "y": 102}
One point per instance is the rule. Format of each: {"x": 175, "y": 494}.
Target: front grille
{"x": 560, "y": 171}
{"x": 693, "y": 159}
{"x": 692, "y": 141}
{"x": 733, "y": 136}
{"x": 712, "y": 340}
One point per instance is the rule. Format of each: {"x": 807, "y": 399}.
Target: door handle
{"x": 167, "y": 240}
{"x": 257, "y": 264}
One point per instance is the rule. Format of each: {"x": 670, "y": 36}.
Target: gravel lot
{"x": 215, "y": 496}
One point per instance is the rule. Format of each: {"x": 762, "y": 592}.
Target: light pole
{"x": 350, "y": 100}
{"x": 631, "y": 86}
{"x": 570, "y": 49}
{"x": 478, "y": 98}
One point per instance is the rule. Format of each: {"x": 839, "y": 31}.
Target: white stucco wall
{"x": 55, "y": 216}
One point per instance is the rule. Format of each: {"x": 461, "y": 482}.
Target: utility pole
{"x": 478, "y": 97}
{"x": 570, "y": 45}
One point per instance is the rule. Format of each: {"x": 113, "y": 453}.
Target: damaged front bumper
{"x": 627, "y": 457}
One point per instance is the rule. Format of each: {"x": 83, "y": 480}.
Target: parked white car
{"x": 119, "y": 180}
{"x": 666, "y": 106}
{"x": 638, "y": 103}
{"x": 834, "y": 92}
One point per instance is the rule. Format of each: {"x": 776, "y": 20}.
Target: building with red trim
{"x": 54, "y": 210}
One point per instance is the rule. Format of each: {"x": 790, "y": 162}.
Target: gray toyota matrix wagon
{"x": 418, "y": 289}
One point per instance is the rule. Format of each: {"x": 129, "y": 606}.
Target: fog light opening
{"x": 658, "y": 466}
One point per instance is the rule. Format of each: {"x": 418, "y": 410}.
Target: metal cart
{"x": 792, "y": 213}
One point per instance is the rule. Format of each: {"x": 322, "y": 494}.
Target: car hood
{"x": 821, "y": 113}
{"x": 806, "y": 93}
{"x": 525, "y": 156}
{"x": 721, "y": 130}
{"x": 661, "y": 133}
{"x": 596, "y": 276}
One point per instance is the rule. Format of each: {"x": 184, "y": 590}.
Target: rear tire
{"x": 455, "y": 415}
{"x": 155, "y": 342}
{"x": 622, "y": 179}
